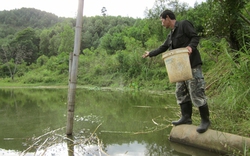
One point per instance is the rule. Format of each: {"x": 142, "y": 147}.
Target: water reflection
{"x": 106, "y": 123}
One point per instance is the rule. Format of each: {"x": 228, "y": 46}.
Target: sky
{"x": 68, "y": 8}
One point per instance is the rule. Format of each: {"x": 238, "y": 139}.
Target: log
{"x": 211, "y": 140}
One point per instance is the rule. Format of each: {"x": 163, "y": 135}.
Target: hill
{"x": 14, "y": 20}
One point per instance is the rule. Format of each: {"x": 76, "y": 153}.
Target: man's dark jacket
{"x": 183, "y": 35}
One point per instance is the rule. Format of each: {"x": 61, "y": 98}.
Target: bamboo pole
{"x": 70, "y": 64}
{"x": 73, "y": 72}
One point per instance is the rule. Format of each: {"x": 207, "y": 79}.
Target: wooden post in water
{"x": 73, "y": 71}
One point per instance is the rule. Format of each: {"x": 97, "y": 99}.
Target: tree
{"x": 161, "y": 5}
{"x": 29, "y": 42}
{"x": 94, "y": 28}
{"x": 225, "y": 19}
{"x": 104, "y": 10}
{"x": 13, "y": 57}
{"x": 140, "y": 31}
{"x": 113, "y": 40}
{"x": 55, "y": 40}
{"x": 44, "y": 42}
{"x": 67, "y": 40}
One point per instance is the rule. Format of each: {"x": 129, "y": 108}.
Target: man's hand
{"x": 189, "y": 50}
{"x": 146, "y": 54}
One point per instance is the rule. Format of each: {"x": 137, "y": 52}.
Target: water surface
{"x": 106, "y": 123}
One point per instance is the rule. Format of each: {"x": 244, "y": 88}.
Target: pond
{"x": 115, "y": 123}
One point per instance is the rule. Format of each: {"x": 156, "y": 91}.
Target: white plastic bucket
{"x": 178, "y": 65}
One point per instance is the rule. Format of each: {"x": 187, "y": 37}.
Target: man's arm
{"x": 191, "y": 33}
{"x": 159, "y": 50}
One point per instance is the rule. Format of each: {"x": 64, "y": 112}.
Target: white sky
{"x": 68, "y": 8}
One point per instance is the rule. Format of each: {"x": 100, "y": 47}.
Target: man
{"x": 192, "y": 91}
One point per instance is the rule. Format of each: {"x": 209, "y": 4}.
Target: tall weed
{"x": 228, "y": 84}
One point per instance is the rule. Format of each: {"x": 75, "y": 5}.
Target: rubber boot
{"x": 205, "y": 122}
{"x": 186, "y": 113}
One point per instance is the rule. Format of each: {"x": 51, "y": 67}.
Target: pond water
{"x": 114, "y": 123}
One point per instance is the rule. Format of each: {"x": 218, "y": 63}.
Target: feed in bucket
{"x": 178, "y": 65}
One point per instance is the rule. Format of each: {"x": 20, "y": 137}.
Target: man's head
{"x": 168, "y": 19}
{"x": 168, "y": 13}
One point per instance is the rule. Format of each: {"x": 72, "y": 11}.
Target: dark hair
{"x": 169, "y": 13}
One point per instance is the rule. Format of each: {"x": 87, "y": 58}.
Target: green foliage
{"x": 198, "y": 16}
{"x": 225, "y": 20}
{"x": 53, "y": 70}
{"x": 240, "y": 73}
{"x": 96, "y": 69}
{"x": 28, "y": 17}
{"x": 228, "y": 84}
{"x": 67, "y": 39}
{"x": 152, "y": 42}
{"x": 94, "y": 28}
{"x": 54, "y": 41}
{"x": 211, "y": 49}
{"x": 44, "y": 42}
{"x": 140, "y": 31}
{"x": 27, "y": 41}
{"x": 113, "y": 40}
{"x": 42, "y": 60}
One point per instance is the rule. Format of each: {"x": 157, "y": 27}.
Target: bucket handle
{"x": 175, "y": 51}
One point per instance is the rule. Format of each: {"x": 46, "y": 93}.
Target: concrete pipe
{"x": 211, "y": 140}
{"x": 192, "y": 151}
